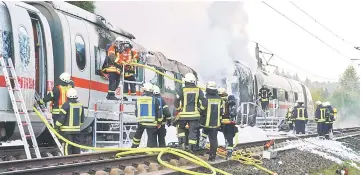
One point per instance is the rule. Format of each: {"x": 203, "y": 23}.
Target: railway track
{"x": 105, "y": 161}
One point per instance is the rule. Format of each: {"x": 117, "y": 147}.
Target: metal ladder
{"x": 44, "y": 112}
{"x": 269, "y": 122}
{"x": 15, "y": 99}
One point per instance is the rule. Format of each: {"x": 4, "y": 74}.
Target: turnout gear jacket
{"x": 320, "y": 114}
{"x": 166, "y": 115}
{"x": 148, "y": 110}
{"x": 265, "y": 94}
{"x": 289, "y": 117}
{"x": 190, "y": 101}
{"x": 213, "y": 110}
{"x": 229, "y": 110}
{"x": 300, "y": 113}
{"x": 57, "y": 96}
{"x": 71, "y": 116}
{"x": 330, "y": 117}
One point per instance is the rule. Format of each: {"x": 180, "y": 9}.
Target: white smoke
{"x": 225, "y": 42}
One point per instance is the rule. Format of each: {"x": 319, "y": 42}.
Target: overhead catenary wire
{"x": 315, "y": 36}
{"x": 329, "y": 30}
{"x": 294, "y": 65}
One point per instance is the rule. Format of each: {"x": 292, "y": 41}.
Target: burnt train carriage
{"x": 39, "y": 35}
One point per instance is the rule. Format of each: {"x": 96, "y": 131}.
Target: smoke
{"x": 225, "y": 41}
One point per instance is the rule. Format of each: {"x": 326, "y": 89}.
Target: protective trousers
{"x": 152, "y": 136}
{"x": 264, "y": 105}
{"x": 290, "y": 125}
{"x": 212, "y": 136}
{"x": 320, "y": 128}
{"x": 229, "y": 131}
{"x": 193, "y": 129}
{"x": 327, "y": 129}
{"x": 132, "y": 85}
{"x": 300, "y": 126}
{"x": 69, "y": 149}
{"x": 55, "y": 117}
{"x": 137, "y": 136}
{"x": 161, "y": 132}
{"x": 114, "y": 80}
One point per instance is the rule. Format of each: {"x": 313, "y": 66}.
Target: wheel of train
{"x": 6, "y": 130}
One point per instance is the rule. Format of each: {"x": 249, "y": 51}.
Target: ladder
{"x": 44, "y": 112}
{"x": 17, "y": 97}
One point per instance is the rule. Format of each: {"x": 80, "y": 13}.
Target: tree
{"x": 349, "y": 80}
{"x": 86, "y": 5}
{"x": 308, "y": 82}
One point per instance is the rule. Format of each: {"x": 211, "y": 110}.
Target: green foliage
{"x": 86, "y": 5}
{"x": 332, "y": 170}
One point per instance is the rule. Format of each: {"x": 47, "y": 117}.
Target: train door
{"x": 23, "y": 52}
{"x": 304, "y": 95}
{"x": 80, "y": 59}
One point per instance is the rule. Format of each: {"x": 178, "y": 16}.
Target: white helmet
{"x": 65, "y": 77}
{"x": 190, "y": 78}
{"x": 324, "y": 104}
{"x": 296, "y": 104}
{"x": 71, "y": 93}
{"x": 318, "y": 102}
{"x": 211, "y": 85}
{"x": 300, "y": 101}
{"x": 221, "y": 90}
{"x": 327, "y": 103}
{"x": 156, "y": 89}
{"x": 148, "y": 87}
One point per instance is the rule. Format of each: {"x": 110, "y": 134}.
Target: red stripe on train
{"x": 25, "y": 82}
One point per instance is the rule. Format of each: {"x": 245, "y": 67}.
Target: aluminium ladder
{"x": 45, "y": 113}
{"x": 17, "y": 97}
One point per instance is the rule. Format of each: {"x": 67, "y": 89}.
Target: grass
{"x": 332, "y": 170}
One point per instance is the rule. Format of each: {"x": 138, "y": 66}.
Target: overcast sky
{"x": 198, "y": 35}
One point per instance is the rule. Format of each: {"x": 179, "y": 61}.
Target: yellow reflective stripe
{"x": 135, "y": 143}
{"x": 182, "y": 134}
{"x": 63, "y": 111}
{"x": 160, "y": 119}
{"x": 229, "y": 147}
{"x": 66, "y": 149}
{"x": 58, "y": 123}
{"x": 135, "y": 139}
{"x": 323, "y": 113}
{"x": 149, "y": 124}
{"x": 76, "y": 130}
{"x": 70, "y": 127}
{"x": 51, "y": 93}
{"x": 204, "y": 135}
{"x": 192, "y": 142}
{"x": 71, "y": 116}
{"x": 41, "y": 101}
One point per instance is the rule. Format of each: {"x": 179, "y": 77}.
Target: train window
{"x": 80, "y": 52}
{"x": 150, "y": 76}
{"x": 286, "y": 95}
{"x": 296, "y": 96}
{"x": 274, "y": 93}
{"x": 169, "y": 83}
{"x": 160, "y": 80}
{"x": 178, "y": 86}
{"x": 281, "y": 95}
{"x": 24, "y": 45}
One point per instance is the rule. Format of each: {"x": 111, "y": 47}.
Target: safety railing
{"x": 245, "y": 111}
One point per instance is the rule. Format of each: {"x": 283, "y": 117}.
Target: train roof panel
{"x": 91, "y": 17}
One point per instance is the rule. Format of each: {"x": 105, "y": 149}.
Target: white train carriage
{"x": 45, "y": 39}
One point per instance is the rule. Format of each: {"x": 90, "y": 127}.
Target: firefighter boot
{"x": 111, "y": 96}
{"x": 212, "y": 157}
{"x": 229, "y": 154}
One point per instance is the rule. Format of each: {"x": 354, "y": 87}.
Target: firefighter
{"x": 228, "y": 121}
{"x": 131, "y": 56}
{"x": 300, "y": 115}
{"x": 212, "y": 121}
{"x": 161, "y": 132}
{"x": 190, "y": 100}
{"x": 265, "y": 94}
{"x": 70, "y": 120}
{"x": 58, "y": 95}
{"x": 320, "y": 114}
{"x": 113, "y": 66}
{"x": 147, "y": 110}
{"x": 330, "y": 117}
{"x": 289, "y": 118}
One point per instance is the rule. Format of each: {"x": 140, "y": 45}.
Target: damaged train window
{"x": 24, "y": 45}
{"x": 80, "y": 52}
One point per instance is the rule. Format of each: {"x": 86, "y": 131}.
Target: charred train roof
{"x": 85, "y": 15}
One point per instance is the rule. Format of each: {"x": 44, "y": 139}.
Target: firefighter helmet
{"x": 327, "y": 103}
{"x": 318, "y": 103}
{"x": 190, "y": 78}
{"x": 221, "y": 91}
{"x": 71, "y": 93}
{"x": 148, "y": 87}
{"x": 211, "y": 85}
{"x": 65, "y": 77}
{"x": 156, "y": 89}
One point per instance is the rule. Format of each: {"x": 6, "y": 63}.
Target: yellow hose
{"x": 190, "y": 157}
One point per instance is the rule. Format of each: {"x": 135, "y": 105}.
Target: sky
{"x": 207, "y": 36}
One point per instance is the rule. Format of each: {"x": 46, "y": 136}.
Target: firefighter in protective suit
{"x": 113, "y": 66}
{"x": 265, "y": 94}
{"x": 330, "y": 117}
{"x": 212, "y": 121}
{"x": 320, "y": 114}
{"x": 130, "y": 70}
{"x": 228, "y": 121}
{"x": 149, "y": 117}
{"x": 70, "y": 120}
{"x": 289, "y": 118}
{"x": 166, "y": 115}
{"x": 300, "y": 115}
{"x": 189, "y": 103}
{"x": 57, "y": 96}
